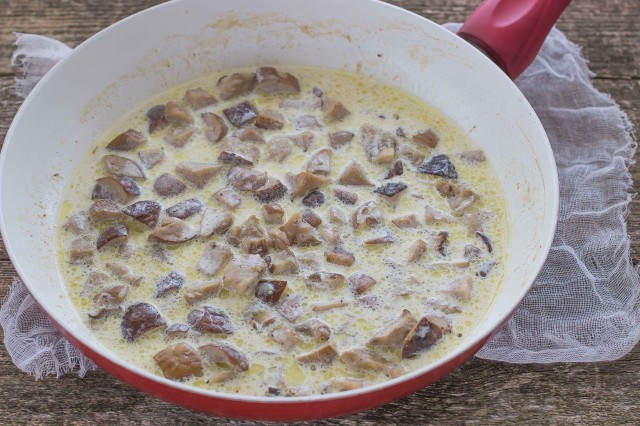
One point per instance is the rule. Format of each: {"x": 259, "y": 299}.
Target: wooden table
{"x": 481, "y": 391}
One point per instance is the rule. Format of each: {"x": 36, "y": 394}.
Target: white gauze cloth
{"x": 584, "y": 305}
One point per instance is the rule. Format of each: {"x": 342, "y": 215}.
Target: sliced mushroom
{"x": 138, "y": 319}
{"x": 279, "y": 239}
{"x": 243, "y": 272}
{"x": 151, "y": 157}
{"x": 269, "y": 120}
{"x": 283, "y": 262}
{"x": 313, "y": 199}
{"x": 271, "y": 80}
{"x": 215, "y": 221}
{"x": 246, "y": 179}
{"x": 320, "y": 162}
{"x": 201, "y": 290}
{"x": 278, "y": 148}
{"x": 227, "y": 355}
{"x": 106, "y": 304}
{"x": 367, "y": 214}
{"x": 290, "y": 307}
{"x": 198, "y": 98}
{"x": 176, "y": 113}
{"x": 362, "y": 359}
{"x": 342, "y": 384}
{"x": 270, "y": 291}
{"x": 337, "y": 216}
{"x": 433, "y": 215}
{"x": 176, "y": 331}
{"x": 460, "y": 287}
{"x": 379, "y": 147}
{"x": 124, "y": 273}
{"x": 179, "y": 361}
{"x": 347, "y": 197}
{"x": 339, "y": 139}
{"x": 249, "y": 134}
{"x": 117, "y": 188}
{"x": 77, "y": 224}
{"x": 114, "y": 235}
{"x": 325, "y": 280}
{"x": 485, "y": 240}
{"x": 339, "y": 256}
{"x": 214, "y": 257}
{"x": 352, "y": 174}
{"x": 240, "y": 114}
{"x": 445, "y": 308}
{"x": 439, "y": 165}
{"x": 214, "y": 127}
{"x": 299, "y": 232}
{"x": 410, "y": 154}
{"x": 198, "y": 173}
{"x": 409, "y": 221}
{"x": 170, "y": 283}
{"x": 167, "y": 185}
{"x": 273, "y": 213}
{"x": 286, "y": 336}
{"x": 305, "y": 182}
{"x": 333, "y": 110}
{"x": 208, "y": 319}
{"x": 471, "y": 252}
{"x": 94, "y": 279}
{"x": 425, "y": 334}
{"x": 486, "y": 268}
{"x": 105, "y": 210}
{"x": 395, "y": 333}
{"x": 117, "y": 165}
{"x": 186, "y": 208}
{"x": 272, "y": 190}
{"x": 156, "y": 118}
{"x": 303, "y": 140}
{"x": 172, "y": 231}
{"x": 306, "y": 121}
{"x": 227, "y": 197}
{"x": 396, "y": 170}
{"x": 441, "y": 242}
{"x": 315, "y": 328}
{"x": 250, "y": 228}
{"x": 234, "y": 151}
{"x": 427, "y": 138}
{"x": 261, "y": 316}
{"x": 127, "y": 141}
{"x": 232, "y": 85}
{"x": 324, "y": 354}
{"x": 473, "y": 157}
{"x": 383, "y": 237}
{"x": 390, "y": 189}
{"x": 456, "y": 264}
{"x": 147, "y": 212}
{"x": 329, "y": 234}
{"x": 178, "y": 136}
{"x": 327, "y": 306}
{"x": 119, "y": 292}
{"x": 311, "y": 218}
{"x": 361, "y": 282}
{"x": 416, "y": 250}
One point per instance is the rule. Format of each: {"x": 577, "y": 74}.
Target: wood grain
{"x": 480, "y": 392}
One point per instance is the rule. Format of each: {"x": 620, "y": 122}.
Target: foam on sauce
{"x": 400, "y": 285}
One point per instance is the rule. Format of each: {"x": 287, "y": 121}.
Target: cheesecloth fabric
{"x": 585, "y": 303}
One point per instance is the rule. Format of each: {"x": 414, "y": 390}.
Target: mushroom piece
{"x": 198, "y": 173}
{"x": 339, "y": 139}
{"x": 320, "y": 162}
{"x": 369, "y": 213}
{"x": 156, "y": 118}
{"x": 167, "y": 185}
{"x": 261, "y": 316}
{"x": 218, "y": 353}
{"x": 361, "y": 282}
{"x": 299, "y": 232}
{"x": 227, "y": 197}
{"x": 325, "y": 280}
{"x": 439, "y": 165}
{"x": 214, "y": 126}
{"x": 307, "y": 121}
{"x": 270, "y": 291}
{"x": 208, "y": 319}
{"x": 395, "y": 333}
{"x": 106, "y": 304}
{"x": 124, "y": 273}
{"x": 362, "y": 359}
{"x": 214, "y": 257}
{"x": 271, "y": 81}
{"x": 249, "y": 134}
{"x": 243, "y": 272}
{"x": 339, "y": 256}
{"x": 305, "y": 182}
{"x": 324, "y": 354}
{"x": 409, "y": 221}
{"x": 313, "y": 199}
{"x": 352, "y": 174}
{"x": 416, "y": 250}
{"x": 272, "y": 190}
{"x": 249, "y": 229}
{"x": 246, "y": 179}
{"x": 201, "y": 290}
{"x": 390, "y": 189}
{"x": 333, "y": 110}
{"x": 179, "y": 361}
{"x": 290, "y": 307}
{"x": 170, "y": 283}
{"x": 173, "y": 230}
{"x": 315, "y": 328}
{"x": 427, "y": 138}
{"x": 433, "y": 215}
{"x": 329, "y": 234}
{"x": 486, "y": 268}
{"x": 147, "y": 212}
{"x": 176, "y": 331}
{"x": 269, "y": 120}
{"x": 151, "y": 158}
{"x": 273, "y": 213}
{"x": 471, "y": 252}
{"x": 396, "y": 170}
{"x": 279, "y": 239}
{"x": 81, "y": 250}
{"x": 347, "y": 197}
{"x": 278, "y": 148}
{"x": 122, "y": 166}
{"x": 444, "y": 308}
{"x": 282, "y": 262}
{"x": 138, "y": 319}
{"x": 342, "y": 384}
{"x": 303, "y": 140}
{"x": 179, "y": 135}
{"x": 105, "y": 210}
{"x": 306, "y": 104}
{"x": 186, "y": 208}
{"x": 215, "y": 221}
{"x": 286, "y": 336}
{"x": 234, "y": 151}
{"x": 311, "y": 218}
{"x": 473, "y": 157}
{"x": 425, "y": 334}
{"x": 379, "y": 147}
{"x": 485, "y": 240}
{"x": 117, "y": 188}
{"x": 460, "y": 287}
{"x": 127, "y": 141}
{"x": 240, "y": 114}
{"x": 337, "y": 216}
{"x": 232, "y": 85}
{"x": 114, "y": 235}
{"x": 410, "y": 154}
{"x": 76, "y": 224}
{"x": 441, "y": 242}
{"x": 327, "y": 306}
{"x": 474, "y": 222}
{"x": 176, "y": 113}
{"x": 198, "y": 98}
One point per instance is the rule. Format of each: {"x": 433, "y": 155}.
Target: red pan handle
{"x": 511, "y": 32}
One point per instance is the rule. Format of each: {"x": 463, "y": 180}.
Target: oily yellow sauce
{"x": 407, "y": 286}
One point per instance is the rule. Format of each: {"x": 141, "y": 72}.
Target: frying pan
{"x": 147, "y": 53}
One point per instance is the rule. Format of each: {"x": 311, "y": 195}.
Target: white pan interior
{"x": 178, "y": 41}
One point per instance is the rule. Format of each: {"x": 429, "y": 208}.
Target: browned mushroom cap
{"x": 369, "y": 213}
{"x": 278, "y": 148}
{"x": 198, "y": 173}
{"x": 361, "y": 282}
{"x": 282, "y": 262}
{"x": 325, "y": 280}
{"x": 214, "y": 126}
{"x": 198, "y": 98}
{"x": 424, "y": 335}
{"x": 313, "y": 199}
{"x": 352, "y": 174}
{"x": 395, "y": 333}
{"x": 243, "y": 272}
{"x": 235, "y": 84}
{"x": 117, "y": 188}
{"x": 138, "y": 319}
{"x": 176, "y": 113}
{"x": 179, "y": 135}
{"x": 311, "y": 217}
{"x": 170, "y": 283}
{"x": 124, "y": 273}
{"x": 460, "y": 287}
{"x": 339, "y": 139}
{"x": 186, "y": 208}
{"x": 214, "y": 257}
{"x": 273, "y": 213}
{"x": 299, "y": 232}
{"x": 333, "y": 110}
{"x": 234, "y": 151}
{"x": 114, "y": 235}
{"x": 179, "y": 361}
{"x": 127, "y": 141}
{"x": 117, "y": 165}
{"x": 433, "y": 215}
{"x": 272, "y": 81}
{"x": 416, "y": 250}
{"x": 105, "y": 210}
{"x": 379, "y": 147}
{"x": 106, "y": 304}
{"x": 396, "y": 170}
{"x": 228, "y": 197}
{"x": 215, "y": 221}
{"x": 167, "y": 185}
{"x": 303, "y": 140}
{"x": 147, "y": 212}
{"x": 246, "y": 179}
{"x": 152, "y": 157}
{"x": 339, "y": 256}
{"x": 306, "y": 121}
{"x": 320, "y": 162}
{"x": 270, "y": 291}
{"x": 286, "y": 336}
{"x": 156, "y": 118}
{"x": 441, "y": 242}
{"x": 270, "y": 120}
{"x": 324, "y": 354}
{"x": 290, "y": 308}
{"x": 208, "y": 319}
{"x": 315, "y": 328}
{"x": 176, "y": 331}
{"x": 347, "y": 197}
{"x": 426, "y": 138}
{"x": 409, "y": 221}
{"x": 240, "y": 114}
{"x": 173, "y": 230}
{"x": 201, "y": 290}
{"x": 225, "y": 354}
{"x": 390, "y": 189}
